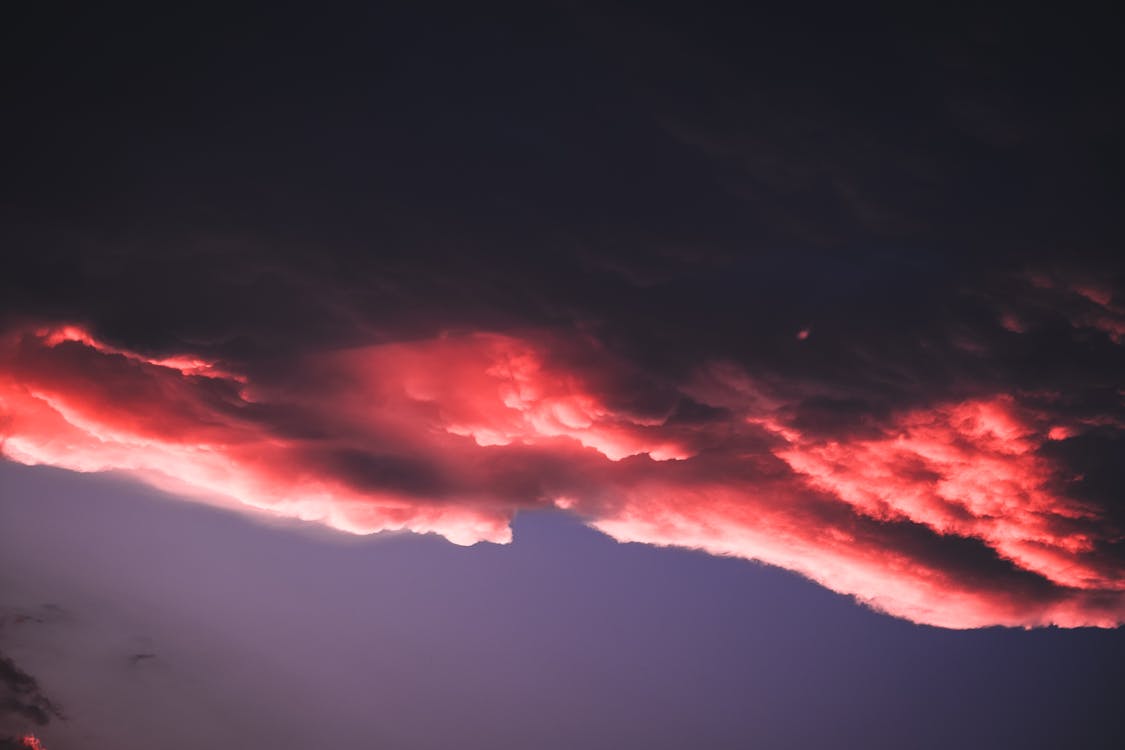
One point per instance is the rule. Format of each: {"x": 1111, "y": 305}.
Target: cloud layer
{"x": 952, "y": 511}
{"x": 842, "y": 297}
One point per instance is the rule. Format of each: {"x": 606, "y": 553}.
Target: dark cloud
{"x": 23, "y": 701}
{"x": 24, "y": 705}
{"x": 842, "y": 295}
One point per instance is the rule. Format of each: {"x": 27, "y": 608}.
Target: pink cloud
{"x": 969, "y": 469}
{"x": 454, "y": 435}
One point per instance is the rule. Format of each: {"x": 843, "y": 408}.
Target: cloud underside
{"x": 958, "y": 512}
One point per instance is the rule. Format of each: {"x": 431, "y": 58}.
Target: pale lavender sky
{"x": 293, "y": 637}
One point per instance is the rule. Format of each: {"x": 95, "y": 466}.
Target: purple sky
{"x": 291, "y": 637}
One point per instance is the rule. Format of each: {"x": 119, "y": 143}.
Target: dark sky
{"x": 833, "y": 291}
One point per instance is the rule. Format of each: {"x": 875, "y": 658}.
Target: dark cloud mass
{"x": 842, "y": 297}
{"x": 23, "y": 701}
{"x": 24, "y": 705}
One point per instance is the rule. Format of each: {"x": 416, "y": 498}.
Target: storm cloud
{"x": 858, "y": 313}
{"x": 954, "y": 506}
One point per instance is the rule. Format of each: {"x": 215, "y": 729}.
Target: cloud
{"x": 1087, "y": 303}
{"x": 946, "y": 509}
{"x": 22, "y": 698}
{"x": 23, "y": 705}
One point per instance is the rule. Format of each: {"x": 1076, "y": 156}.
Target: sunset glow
{"x": 562, "y": 375}
{"x": 429, "y": 436}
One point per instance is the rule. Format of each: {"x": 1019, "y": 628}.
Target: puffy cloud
{"x": 954, "y": 511}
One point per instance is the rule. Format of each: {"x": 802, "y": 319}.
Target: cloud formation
{"x": 701, "y": 283}
{"x": 23, "y": 701}
{"x": 23, "y": 705}
{"x": 951, "y": 510}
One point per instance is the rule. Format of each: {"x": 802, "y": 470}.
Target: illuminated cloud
{"x": 954, "y": 512}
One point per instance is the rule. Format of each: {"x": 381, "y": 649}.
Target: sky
{"x": 596, "y": 375}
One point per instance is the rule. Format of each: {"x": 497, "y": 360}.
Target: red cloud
{"x": 968, "y": 469}
{"x": 950, "y": 514}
